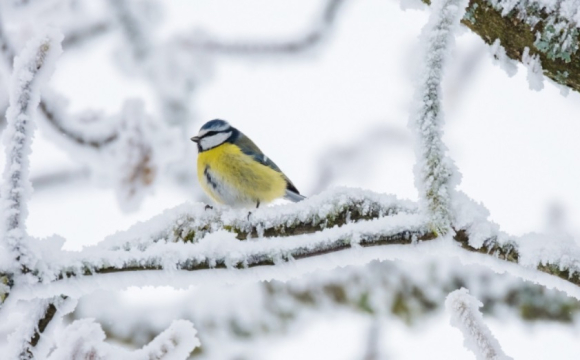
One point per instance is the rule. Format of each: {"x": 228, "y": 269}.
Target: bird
{"x": 233, "y": 171}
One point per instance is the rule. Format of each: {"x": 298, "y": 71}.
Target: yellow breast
{"x": 231, "y": 177}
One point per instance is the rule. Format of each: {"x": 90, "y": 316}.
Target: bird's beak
{"x": 195, "y": 139}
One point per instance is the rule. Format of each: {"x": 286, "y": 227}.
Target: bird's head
{"x": 214, "y": 133}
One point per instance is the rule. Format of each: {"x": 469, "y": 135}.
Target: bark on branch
{"x": 188, "y": 239}
{"x": 553, "y": 38}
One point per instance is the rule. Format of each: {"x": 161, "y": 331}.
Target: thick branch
{"x": 553, "y": 38}
{"x": 191, "y": 238}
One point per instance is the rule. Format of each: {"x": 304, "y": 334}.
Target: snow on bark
{"x": 435, "y": 173}
{"x": 534, "y": 66}
{"x": 84, "y": 339}
{"x": 465, "y": 316}
{"x": 19, "y": 346}
{"x": 222, "y": 250}
{"x": 32, "y": 69}
{"x": 39, "y": 318}
{"x": 501, "y": 59}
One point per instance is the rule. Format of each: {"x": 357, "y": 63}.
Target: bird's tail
{"x": 292, "y": 196}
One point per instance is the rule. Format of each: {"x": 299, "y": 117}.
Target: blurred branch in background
{"x": 319, "y": 31}
{"x": 339, "y": 159}
{"x": 78, "y": 36}
{"x": 174, "y": 69}
{"x": 373, "y": 349}
{"x": 385, "y": 291}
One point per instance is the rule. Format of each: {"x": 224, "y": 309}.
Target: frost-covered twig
{"x": 466, "y": 317}
{"x": 50, "y": 111}
{"x": 39, "y": 314}
{"x": 435, "y": 175}
{"x": 316, "y": 35}
{"x": 32, "y": 68}
{"x": 84, "y": 339}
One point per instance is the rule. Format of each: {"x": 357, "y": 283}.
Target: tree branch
{"x": 549, "y": 35}
{"x": 190, "y": 238}
{"x": 466, "y": 317}
{"x": 435, "y": 175}
{"x": 31, "y": 69}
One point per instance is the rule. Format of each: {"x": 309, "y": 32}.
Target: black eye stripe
{"x": 211, "y": 133}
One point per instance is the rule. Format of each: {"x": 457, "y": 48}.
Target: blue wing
{"x": 249, "y": 148}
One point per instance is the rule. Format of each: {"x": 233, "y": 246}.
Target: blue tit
{"x": 233, "y": 171}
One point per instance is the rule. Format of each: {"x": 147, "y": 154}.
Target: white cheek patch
{"x": 214, "y": 140}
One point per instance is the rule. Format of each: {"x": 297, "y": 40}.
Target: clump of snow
{"x": 84, "y": 339}
{"x": 435, "y": 173}
{"x": 501, "y": 59}
{"x": 534, "y": 66}
{"x": 465, "y": 316}
{"x": 32, "y": 69}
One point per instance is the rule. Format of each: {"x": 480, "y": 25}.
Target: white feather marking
{"x": 209, "y": 142}
{"x": 224, "y": 127}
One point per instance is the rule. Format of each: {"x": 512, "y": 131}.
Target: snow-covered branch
{"x": 32, "y": 68}
{"x": 466, "y": 317}
{"x": 191, "y": 238}
{"x": 84, "y": 339}
{"x": 222, "y": 250}
{"x": 435, "y": 174}
{"x": 39, "y": 313}
{"x": 549, "y": 29}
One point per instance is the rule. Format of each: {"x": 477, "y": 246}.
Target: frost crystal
{"x": 501, "y": 59}
{"x": 535, "y": 75}
{"x": 465, "y": 316}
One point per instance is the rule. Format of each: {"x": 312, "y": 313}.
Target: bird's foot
{"x": 209, "y": 207}
{"x": 249, "y": 214}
